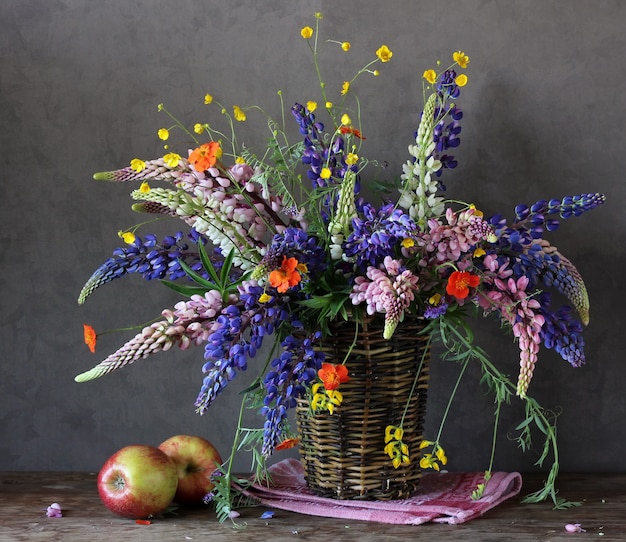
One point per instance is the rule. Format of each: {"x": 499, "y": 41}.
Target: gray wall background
{"x": 79, "y": 86}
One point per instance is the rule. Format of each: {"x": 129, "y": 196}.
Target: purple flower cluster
{"x": 376, "y": 234}
{"x": 317, "y": 153}
{"x": 148, "y": 257}
{"x": 289, "y": 375}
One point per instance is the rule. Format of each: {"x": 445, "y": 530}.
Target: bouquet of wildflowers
{"x": 280, "y": 243}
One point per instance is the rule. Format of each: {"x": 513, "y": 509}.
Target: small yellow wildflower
{"x": 239, "y": 113}
{"x": 433, "y": 461}
{"x": 240, "y": 160}
{"x": 461, "y": 80}
{"x": 311, "y": 106}
{"x": 461, "y": 58}
{"x": 479, "y": 252}
{"x": 346, "y": 46}
{"x": 433, "y": 300}
{"x": 407, "y": 242}
{"x": 346, "y": 120}
{"x": 384, "y": 54}
{"x": 345, "y": 88}
{"x": 264, "y": 298}
{"x": 441, "y": 456}
{"x": 328, "y": 105}
{"x": 137, "y": 165}
{"x": 127, "y": 236}
{"x": 208, "y": 99}
{"x": 171, "y": 159}
{"x": 163, "y": 134}
{"x": 477, "y": 212}
{"x": 397, "y": 450}
{"x": 306, "y": 32}
{"x": 352, "y": 158}
{"x": 430, "y": 76}
{"x": 325, "y": 173}
{"x": 144, "y": 188}
{"x": 429, "y": 462}
{"x": 198, "y": 128}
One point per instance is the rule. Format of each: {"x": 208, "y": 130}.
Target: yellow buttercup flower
{"x": 163, "y": 134}
{"x": 127, "y": 236}
{"x": 430, "y": 76}
{"x": 352, "y": 158}
{"x": 144, "y": 188}
{"x": 208, "y": 99}
{"x": 137, "y": 165}
{"x": 346, "y": 120}
{"x": 433, "y": 300}
{"x": 461, "y": 80}
{"x": 306, "y": 32}
{"x": 311, "y": 106}
{"x": 384, "y": 54}
{"x": 325, "y": 173}
{"x": 407, "y": 242}
{"x": 328, "y": 105}
{"x": 198, "y": 128}
{"x": 240, "y": 160}
{"x": 239, "y": 114}
{"x": 264, "y": 298}
{"x": 345, "y": 88}
{"x": 479, "y": 252}
{"x": 477, "y": 212}
{"x": 461, "y": 58}
{"x": 171, "y": 159}
{"x": 346, "y": 46}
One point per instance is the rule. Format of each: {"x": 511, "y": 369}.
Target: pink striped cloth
{"x": 440, "y": 498}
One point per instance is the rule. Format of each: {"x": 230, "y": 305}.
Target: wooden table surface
{"x": 24, "y": 497}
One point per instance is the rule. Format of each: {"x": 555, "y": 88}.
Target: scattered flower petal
{"x": 54, "y": 510}
{"x": 574, "y": 528}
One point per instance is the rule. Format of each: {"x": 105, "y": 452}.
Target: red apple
{"x": 138, "y": 482}
{"x": 196, "y": 459}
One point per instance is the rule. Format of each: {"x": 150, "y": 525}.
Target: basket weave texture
{"x": 343, "y": 453}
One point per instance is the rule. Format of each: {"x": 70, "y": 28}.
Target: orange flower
{"x": 350, "y": 130}
{"x": 333, "y": 375}
{"x": 287, "y": 443}
{"x": 205, "y": 156}
{"x": 90, "y": 336}
{"x": 287, "y": 276}
{"x": 460, "y": 282}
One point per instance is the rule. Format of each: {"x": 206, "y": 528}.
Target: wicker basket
{"x": 343, "y": 453}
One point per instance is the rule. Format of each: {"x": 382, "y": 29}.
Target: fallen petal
{"x": 574, "y": 528}
{"x": 267, "y": 514}
{"x": 54, "y": 510}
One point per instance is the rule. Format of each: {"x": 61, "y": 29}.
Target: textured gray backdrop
{"x": 79, "y": 86}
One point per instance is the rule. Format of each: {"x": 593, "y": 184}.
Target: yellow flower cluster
{"x": 434, "y": 460}
{"x": 394, "y": 447}
{"x": 459, "y": 58}
{"x": 324, "y": 399}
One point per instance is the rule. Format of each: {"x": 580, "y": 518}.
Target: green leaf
{"x": 185, "y": 290}
{"x": 207, "y": 263}
{"x": 197, "y": 278}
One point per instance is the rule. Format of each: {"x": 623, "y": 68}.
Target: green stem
{"x": 417, "y": 376}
